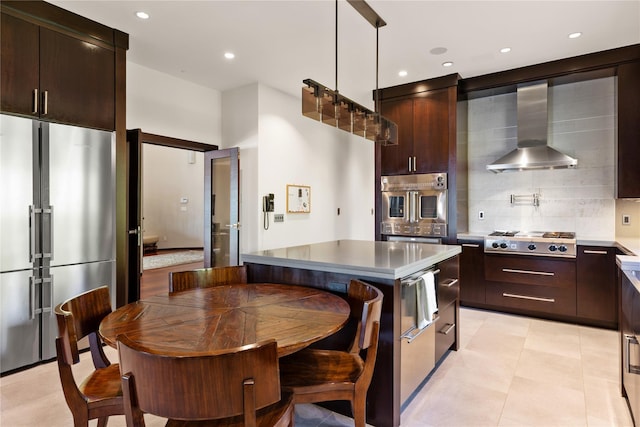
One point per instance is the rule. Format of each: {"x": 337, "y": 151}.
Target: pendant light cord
{"x": 377, "y": 107}
{"x": 336, "y": 45}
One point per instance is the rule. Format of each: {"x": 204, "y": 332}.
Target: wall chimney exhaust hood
{"x": 533, "y": 151}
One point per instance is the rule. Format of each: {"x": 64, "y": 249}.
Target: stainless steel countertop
{"x": 361, "y": 258}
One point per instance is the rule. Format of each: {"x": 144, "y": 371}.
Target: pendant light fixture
{"x": 330, "y": 107}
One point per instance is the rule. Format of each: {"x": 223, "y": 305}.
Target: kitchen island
{"x": 402, "y": 364}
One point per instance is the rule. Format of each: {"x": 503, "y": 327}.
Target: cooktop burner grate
{"x": 559, "y": 235}
{"x": 504, "y": 233}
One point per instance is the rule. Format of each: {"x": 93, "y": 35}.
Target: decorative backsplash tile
{"x": 582, "y": 119}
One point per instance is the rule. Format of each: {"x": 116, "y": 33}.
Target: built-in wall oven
{"x": 414, "y": 205}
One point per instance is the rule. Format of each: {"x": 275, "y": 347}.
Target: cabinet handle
{"x": 589, "y": 251}
{"x": 414, "y": 333}
{"x": 34, "y": 110}
{"x": 45, "y": 102}
{"x": 445, "y": 331}
{"x": 414, "y": 164}
{"x": 632, "y": 369}
{"x": 450, "y": 283}
{"x": 538, "y": 273}
{"x": 471, "y": 245}
{"x": 504, "y": 294}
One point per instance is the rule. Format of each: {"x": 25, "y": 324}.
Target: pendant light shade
{"x": 330, "y": 107}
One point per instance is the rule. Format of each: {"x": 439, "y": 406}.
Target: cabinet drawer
{"x": 448, "y": 290}
{"x": 530, "y": 271}
{"x": 543, "y": 299}
{"x": 445, "y": 330}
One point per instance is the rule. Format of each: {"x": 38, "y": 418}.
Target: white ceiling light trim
{"x": 142, "y": 15}
{"x": 575, "y": 35}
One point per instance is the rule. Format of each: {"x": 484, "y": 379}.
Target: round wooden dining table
{"x": 206, "y": 320}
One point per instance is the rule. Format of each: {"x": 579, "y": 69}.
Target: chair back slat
{"x": 366, "y": 306}
{"x": 81, "y": 316}
{"x": 202, "y": 387}
{"x": 206, "y": 277}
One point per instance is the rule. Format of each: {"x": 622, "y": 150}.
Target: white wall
{"x": 283, "y": 147}
{"x": 278, "y": 146}
{"x": 582, "y": 119}
{"x": 161, "y": 104}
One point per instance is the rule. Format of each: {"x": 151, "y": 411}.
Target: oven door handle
{"x": 412, "y": 197}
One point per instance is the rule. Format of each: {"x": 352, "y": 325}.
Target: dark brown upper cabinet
{"x": 628, "y": 185}
{"x": 55, "y": 76}
{"x": 424, "y": 138}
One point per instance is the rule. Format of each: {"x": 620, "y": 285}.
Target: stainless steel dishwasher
{"x": 417, "y": 347}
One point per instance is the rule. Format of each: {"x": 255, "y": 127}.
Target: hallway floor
{"x": 509, "y": 371}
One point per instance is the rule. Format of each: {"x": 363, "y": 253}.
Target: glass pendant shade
{"x": 359, "y": 122}
{"x": 311, "y": 103}
{"x": 327, "y": 106}
{"x": 388, "y": 132}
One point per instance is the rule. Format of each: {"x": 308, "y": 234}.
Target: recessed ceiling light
{"x": 438, "y": 50}
{"x": 229, "y": 55}
{"x": 575, "y": 35}
{"x": 142, "y": 15}
{"x": 402, "y": 73}
{"x": 447, "y": 64}
{"x": 505, "y": 50}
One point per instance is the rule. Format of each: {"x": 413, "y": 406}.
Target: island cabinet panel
{"x": 531, "y": 285}
{"x": 597, "y": 290}
{"x": 628, "y": 130}
{"x": 384, "y": 401}
{"x": 472, "y": 285}
{"x": 55, "y": 76}
{"x": 629, "y": 342}
{"x": 448, "y": 295}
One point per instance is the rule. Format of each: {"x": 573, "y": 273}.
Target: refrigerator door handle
{"x": 32, "y": 234}
{"x": 49, "y": 308}
{"x": 32, "y": 298}
{"x": 32, "y": 290}
{"x": 49, "y": 211}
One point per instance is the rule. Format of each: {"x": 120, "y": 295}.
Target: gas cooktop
{"x": 543, "y": 243}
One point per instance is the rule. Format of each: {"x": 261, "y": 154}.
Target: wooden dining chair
{"x": 206, "y": 277}
{"x": 100, "y": 394}
{"x": 316, "y": 375}
{"x": 239, "y": 387}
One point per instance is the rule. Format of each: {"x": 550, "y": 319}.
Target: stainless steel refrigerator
{"x": 57, "y": 224}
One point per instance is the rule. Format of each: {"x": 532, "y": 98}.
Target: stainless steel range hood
{"x": 533, "y": 151}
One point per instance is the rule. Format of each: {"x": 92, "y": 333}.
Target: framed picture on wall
{"x": 298, "y": 199}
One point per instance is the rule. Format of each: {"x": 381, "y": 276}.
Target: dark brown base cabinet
{"x": 581, "y": 290}
{"x": 531, "y": 284}
{"x": 472, "y": 284}
{"x": 629, "y": 344}
{"x": 597, "y": 290}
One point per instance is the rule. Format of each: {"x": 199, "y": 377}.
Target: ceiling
{"x": 280, "y": 43}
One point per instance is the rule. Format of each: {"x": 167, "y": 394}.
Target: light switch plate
{"x": 626, "y": 219}
{"x": 278, "y": 217}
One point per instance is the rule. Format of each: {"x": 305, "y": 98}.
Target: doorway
{"x": 135, "y": 139}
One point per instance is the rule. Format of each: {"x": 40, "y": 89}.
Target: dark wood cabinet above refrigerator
{"x": 55, "y": 73}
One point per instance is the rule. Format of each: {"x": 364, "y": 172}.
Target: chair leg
{"x": 102, "y": 422}
{"x": 358, "y": 408}
{"x": 80, "y": 420}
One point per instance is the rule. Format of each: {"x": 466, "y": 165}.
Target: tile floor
{"x": 509, "y": 371}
